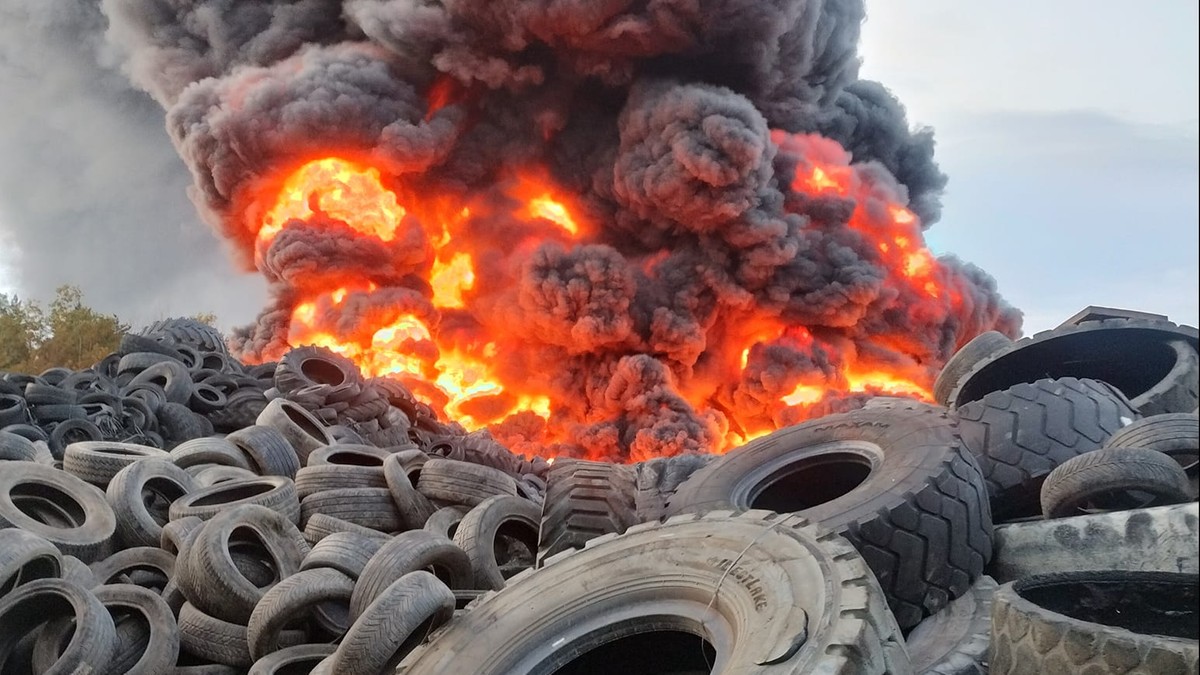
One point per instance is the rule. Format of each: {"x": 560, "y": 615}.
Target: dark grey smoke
{"x": 91, "y": 191}
{"x": 680, "y": 127}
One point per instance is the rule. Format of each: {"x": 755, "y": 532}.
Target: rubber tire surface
{"x": 275, "y": 492}
{"x": 26, "y": 557}
{"x": 1174, "y": 434}
{"x": 464, "y": 483}
{"x": 955, "y": 641}
{"x": 1081, "y": 478}
{"x": 1019, "y": 435}
{"x": 773, "y": 594}
{"x": 397, "y": 620}
{"x": 982, "y": 346}
{"x": 90, "y": 536}
{"x": 136, "y": 525}
{"x": 367, "y": 506}
{"x": 585, "y": 500}
{"x": 289, "y": 601}
{"x": 93, "y": 641}
{"x": 1028, "y": 639}
{"x": 161, "y": 649}
{"x": 920, "y": 516}
{"x": 98, "y": 461}
{"x": 408, "y": 552}
{"x": 480, "y": 529}
{"x": 292, "y": 659}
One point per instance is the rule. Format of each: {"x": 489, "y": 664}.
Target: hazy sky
{"x": 1068, "y": 129}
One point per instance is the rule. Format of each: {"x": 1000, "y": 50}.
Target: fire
{"x": 459, "y": 369}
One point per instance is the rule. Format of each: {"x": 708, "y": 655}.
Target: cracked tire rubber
{"x": 895, "y": 481}
{"x": 982, "y": 346}
{"x": 585, "y": 500}
{"x": 1113, "y": 479}
{"x": 772, "y": 594}
{"x": 1052, "y": 624}
{"x": 955, "y": 640}
{"x": 58, "y": 507}
{"x": 395, "y": 622}
{"x": 27, "y": 608}
{"x": 408, "y": 552}
{"x": 485, "y": 532}
{"x": 1173, "y": 434}
{"x": 1018, "y": 436}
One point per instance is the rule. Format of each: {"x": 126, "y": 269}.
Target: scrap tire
{"x": 895, "y": 481}
{"x": 479, "y": 533}
{"x": 455, "y": 482}
{"x": 793, "y": 599}
{"x": 585, "y": 500}
{"x": 982, "y": 346}
{"x": 1139, "y": 357}
{"x": 408, "y": 552}
{"x": 189, "y": 332}
{"x": 1110, "y": 472}
{"x": 28, "y": 607}
{"x": 315, "y": 366}
{"x": 955, "y": 640}
{"x": 1029, "y": 637}
{"x": 92, "y": 522}
{"x": 1174, "y": 434}
{"x": 1020, "y": 435}
{"x": 397, "y": 620}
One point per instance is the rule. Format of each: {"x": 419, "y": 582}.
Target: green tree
{"x": 77, "y": 336}
{"x": 22, "y": 328}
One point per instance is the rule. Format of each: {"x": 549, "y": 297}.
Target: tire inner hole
{"x": 811, "y": 481}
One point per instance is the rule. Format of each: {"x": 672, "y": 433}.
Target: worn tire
{"x": 27, "y": 608}
{"x": 771, "y": 593}
{"x": 292, "y": 660}
{"x": 141, "y": 517}
{"x": 585, "y": 500}
{"x": 289, "y": 601}
{"x": 408, "y": 552}
{"x": 304, "y": 432}
{"x": 269, "y": 451}
{"x": 1109, "y": 479}
{"x": 982, "y": 346}
{"x": 160, "y": 649}
{"x": 320, "y": 526}
{"x": 399, "y": 619}
{"x": 274, "y": 492}
{"x": 955, "y": 640}
{"x": 213, "y": 581}
{"x": 483, "y": 531}
{"x": 73, "y": 515}
{"x": 209, "y": 451}
{"x": 455, "y": 482}
{"x": 221, "y": 642}
{"x": 1018, "y": 436}
{"x": 1136, "y": 356}
{"x": 98, "y": 461}
{"x": 172, "y": 376}
{"x": 311, "y": 480}
{"x": 158, "y": 563}
{"x": 346, "y": 552}
{"x": 26, "y": 557}
{"x": 313, "y": 367}
{"x": 187, "y": 331}
{"x": 368, "y": 507}
{"x": 414, "y": 507}
{"x": 657, "y": 481}
{"x": 445, "y": 521}
{"x": 896, "y": 482}
{"x": 1173, "y": 434}
{"x": 1041, "y": 624}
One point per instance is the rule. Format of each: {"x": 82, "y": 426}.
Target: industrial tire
{"x": 346, "y": 552}
{"x": 980, "y": 347}
{"x": 289, "y": 601}
{"x": 98, "y": 461}
{"x": 772, "y": 594}
{"x": 141, "y": 496}
{"x": 368, "y": 507}
{"x": 76, "y": 517}
{"x": 1019, "y": 435}
{"x": 1084, "y": 622}
{"x": 657, "y": 481}
{"x": 1113, "y": 479}
{"x": 1174, "y": 434}
{"x": 483, "y": 532}
{"x": 408, "y": 552}
{"x": 26, "y": 557}
{"x": 269, "y": 451}
{"x": 1136, "y": 356}
{"x": 313, "y": 367}
{"x": 187, "y": 331}
{"x": 177, "y": 423}
{"x": 414, "y": 507}
{"x": 896, "y": 482}
{"x": 292, "y": 660}
{"x": 131, "y": 343}
{"x": 274, "y": 492}
{"x": 242, "y": 408}
{"x": 395, "y": 622}
{"x": 160, "y": 648}
{"x": 455, "y": 482}
{"x": 212, "y": 579}
{"x": 585, "y": 500}
{"x": 955, "y": 640}
{"x": 28, "y": 607}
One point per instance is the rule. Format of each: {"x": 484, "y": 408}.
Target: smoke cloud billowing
{"x": 686, "y": 133}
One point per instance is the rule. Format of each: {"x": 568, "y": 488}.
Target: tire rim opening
{"x": 253, "y": 558}
{"x": 515, "y": 547}
{"x": 157, "y": 496}
{"x": 306, "y": 425}
{"x": 48, "y": 505}
{"x": 234, "y": 493}
{"x": 41, "y": 567}
{"x": 354, "y": 459}
{"x": 322, "y": 372}
{"x": 1145, "y": 603}
{"x": 810, "y": 482}
{"x": 653, "y": 652}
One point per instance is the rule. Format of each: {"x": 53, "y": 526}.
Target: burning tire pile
{"x": 171, "y": 510}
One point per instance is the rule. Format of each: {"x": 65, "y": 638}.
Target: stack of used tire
{"x": 329, "y": 523}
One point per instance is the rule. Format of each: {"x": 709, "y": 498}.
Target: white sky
{"x": 1069, "y": 132}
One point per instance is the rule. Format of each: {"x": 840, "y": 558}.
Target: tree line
{"x": 67, "y": 333}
